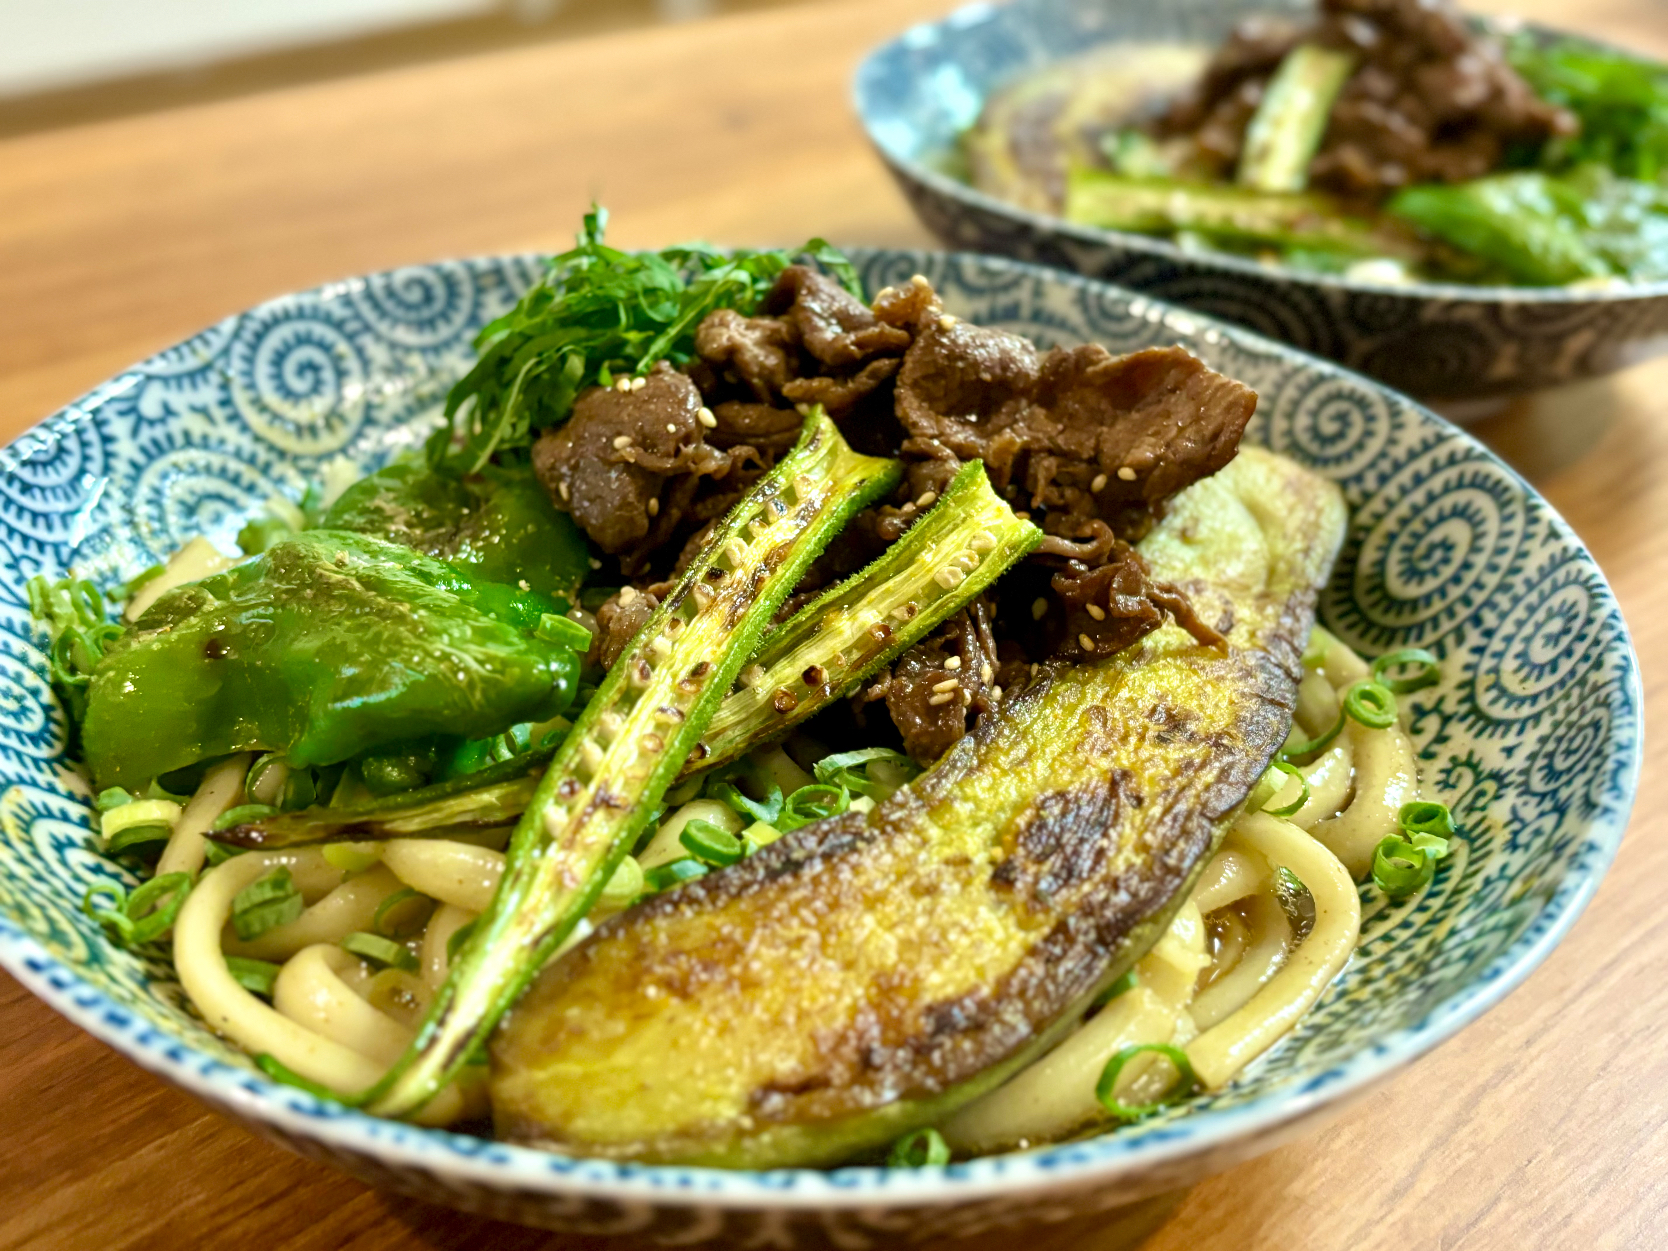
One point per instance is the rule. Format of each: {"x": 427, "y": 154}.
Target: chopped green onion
{"x": 1426, "y": 817}
{"x": 1127, "y": 982}
{"x": 1299, "y": 747}
{"x": 625, "y": 883}
{"x": 143, "y": 916}
{"x": 352, "y": 857}
{"x": 665, "y": 876}
{"x": 1370, "y": 703}
{"x": 139, "y": 821}
{"x": 1106, "y": 1089}
{"x": 380, "y": 950}
{"x": 265, "y": 904}
{"x": 1296, "y": 900}
{"x": 115, "y": 797}
{"x": 402, "y": 914}
{"x": 135, "y": 836}
{"x": 564, "y": 631}
{"x": 812, "y": 803}
{"x": 1427, "y": 674}
{"x": 921, "y": 1149}
{"x": 708, "y": 842}
{"x": 728, "y": 792}
{"x": 458, "y": 937}
{"x": 255, "y": 976}
{"x": 1290, "y": 770}
{"x": 1403, "y": 866}
{"x": 242, "y": 815}
{"x": 156, "y": 790}
{"x": 851, "y": 770}
{"x": 284, "y": 1075}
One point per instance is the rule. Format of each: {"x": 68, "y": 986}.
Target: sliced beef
{"x": 761, "y": 352}
{"x": 628, "y": 462}
{"x": 618, "y": 620}
{"x": 941, "y": 682}
{"x": 1431, "y": 100}
{"x": 1104, "y": 610}
{"x": 841, "y": 395}
{"x": 760, "y": 426}
{"x": 836, "y": 328}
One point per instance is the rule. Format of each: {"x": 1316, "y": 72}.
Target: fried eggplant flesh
{"x": 866, "y": 975}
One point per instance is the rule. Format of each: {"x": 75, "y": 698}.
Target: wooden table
{"x": 1542, "y": 1126}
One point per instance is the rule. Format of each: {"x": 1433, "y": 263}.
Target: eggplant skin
{"x": 865, "y": 976}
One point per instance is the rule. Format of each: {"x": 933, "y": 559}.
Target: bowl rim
{"x": 867, "y": 77}
{"x": 252, "y": 1097}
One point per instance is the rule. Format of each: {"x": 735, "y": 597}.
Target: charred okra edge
{"x": 629, "y": 743}
{"x": 968, "y": 540}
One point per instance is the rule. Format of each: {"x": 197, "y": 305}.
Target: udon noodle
{"x": 1271, "y": 921}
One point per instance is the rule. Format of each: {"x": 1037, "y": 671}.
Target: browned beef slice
{"x": 760, "y": 351}
{"x": 961, "y": 658}
{"x": 1107, "y": 609}
{"x": 1152, "y": 422}
{"x": 834, "y": 325}
{"x": 614, "y": 454}
{"x": 618, "y": 620}
{"x": 758, "y": 425}
{"x": 840, "y": 395}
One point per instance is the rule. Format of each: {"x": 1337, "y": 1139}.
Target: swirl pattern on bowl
{"x": 1532, "y": 736}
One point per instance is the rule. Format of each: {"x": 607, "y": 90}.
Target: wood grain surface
{"x": 1542, "y": 1126}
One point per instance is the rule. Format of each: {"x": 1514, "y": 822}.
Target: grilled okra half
{"x": 627, "y": 746}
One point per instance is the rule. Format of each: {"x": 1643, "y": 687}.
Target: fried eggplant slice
{"x": 866, "y": 975}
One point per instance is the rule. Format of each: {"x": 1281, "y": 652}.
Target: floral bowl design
{"x": 1438, "y": 341}
{"x": 1532, "y": 737}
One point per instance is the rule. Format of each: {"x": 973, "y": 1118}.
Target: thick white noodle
{"x": 1329, "y": 776}
{"x": 1386, "y": 777}
{"x": 221, "y": 788}
{"x": 310, "y": 991}
{"x": 1270, "y": 938}
{"x": 1222, "y": 1051}
{"x": 447, "y": 920}
{"x": 232, "y": 1011}
{"x": 1231, "y": 875}
{"x": 349, "y": 908}
{"x": 1317, "y": 705}
{"x": 1340, "y": 665}
{"x": 454, "y": 873}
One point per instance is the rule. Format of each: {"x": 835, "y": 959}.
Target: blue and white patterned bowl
{"x": 917, "y": 93}
{"x": 1532, "y": 737}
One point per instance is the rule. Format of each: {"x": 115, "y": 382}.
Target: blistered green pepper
{"x": 498, "y": 525}
{"x": 326, "y": 645}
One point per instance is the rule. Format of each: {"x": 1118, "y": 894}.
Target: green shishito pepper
{"x": 327, "y": 644}
{"x": 498, "y": 525}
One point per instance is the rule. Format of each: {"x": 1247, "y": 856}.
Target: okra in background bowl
{"x": 919, "y": 95}
{"x": 1531, "y": 737}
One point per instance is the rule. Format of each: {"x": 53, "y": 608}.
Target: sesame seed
{"x": 1085, "y": 642}
{"x": 1039, "y": 608}
{"x": 984, "y": 541}
{"x": 591, "y": 754}
{"x": 804, "y": 410}
{"x": 948, "y": 684}
{"x": 563, "y": 488}
{"x": 1033, "y": 671}
{"x": 622, "y": 441}
{"x": 1096, "y": 611}
{"x": 1023, "y": 516}
{"x": 661, "y": 647}
{"x": 885, "y": 293}
{"x": 593, "y": 561}
{"x": 637, "y": 384}
{"x": 907, "y": 508}
{"x": 926, "y": 499}
{"x": 654, "y": 508}
{"x": 1099, "y": 484}
{"x": 953, "y": 663}
{"x": 966, "y": 697}
{"x": 946, "y": 322}
{"x": 949, "y": 577}
{"x": 627, "y": 594}
{"x": 671, "y": 428}
{"x": 985, "y": 674}
{"x": 705, "y": 417}
{"x": 920, "y": 280}
{"x": 622, "y": 385}
{"x": 1127, "y": 474}
{"x": 938, "y": 701}
{"x": 996, "y": 694}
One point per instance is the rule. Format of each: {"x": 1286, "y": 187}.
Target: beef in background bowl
{"x": 919, "y": 94}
